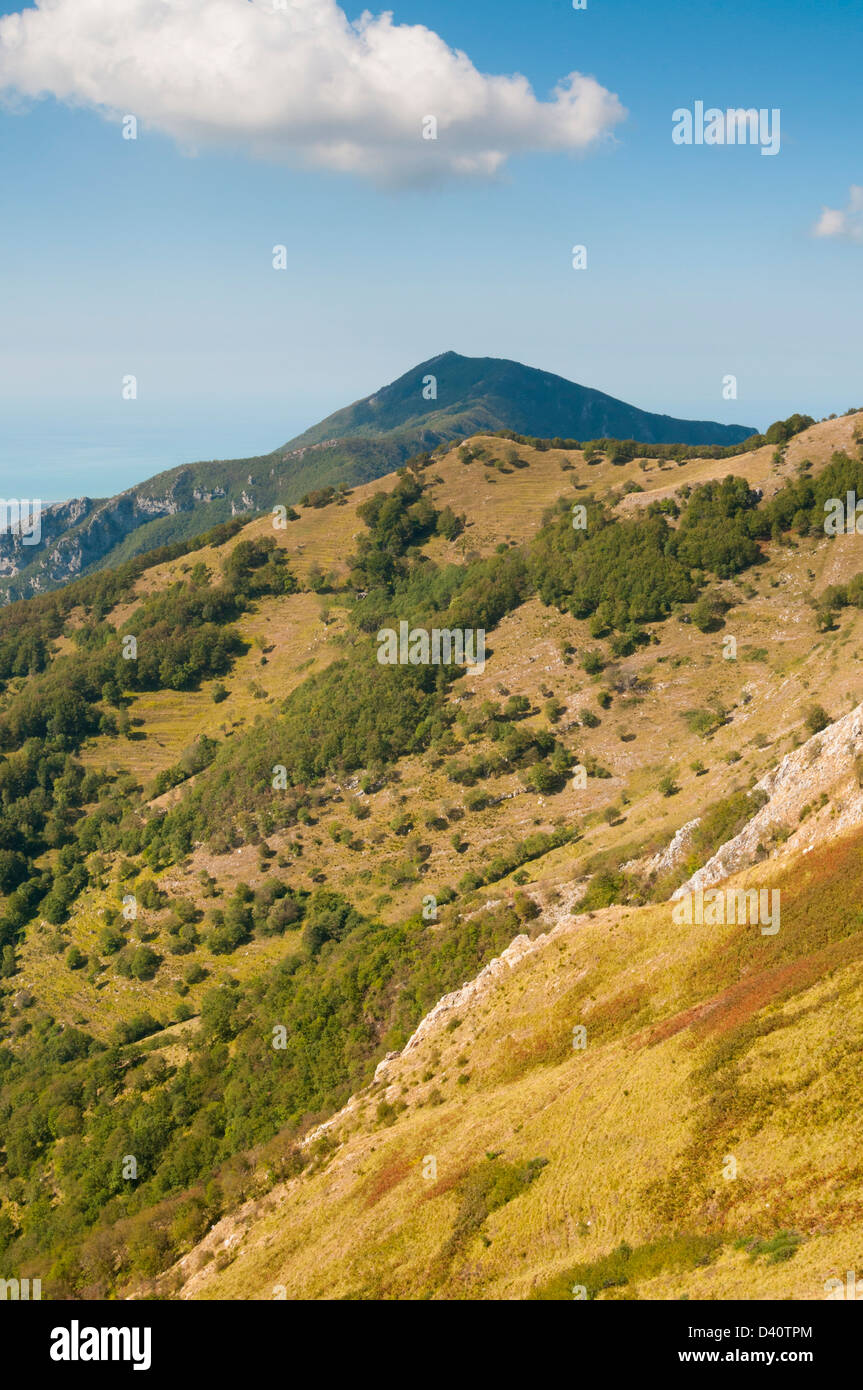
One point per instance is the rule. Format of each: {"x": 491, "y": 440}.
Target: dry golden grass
{"x": 623, "y": 1124}
{"x": 70, "y": 996}
{"x": 287, "y": 642}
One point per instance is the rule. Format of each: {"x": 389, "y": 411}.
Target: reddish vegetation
{"x": 388, "y": 1177}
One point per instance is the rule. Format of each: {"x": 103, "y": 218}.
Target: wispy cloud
{"x": 295, "y": 80}
{"x": 844, "y": 223}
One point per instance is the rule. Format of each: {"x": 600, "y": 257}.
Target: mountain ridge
{"x": 269, "y": 916}
{"x": 557, "y": 407}
{"x": 357, "y": 444}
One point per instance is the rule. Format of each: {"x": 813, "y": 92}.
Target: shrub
{"x": 708, "y": 612}
{"x": 111, "y": 941}
{"x": 144, "y": 963}
{"x": 592, "y": 663}
{"x": 817, "y": 719}
{"x": 705, "y": 721}
{"x": 75, "y": 959}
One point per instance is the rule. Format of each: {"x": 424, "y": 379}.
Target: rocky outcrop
{"x": 517, "y": 949}
{"x": 55, "y": 519}
{"x": 78, "y": 534}
{"x": 821, "y": 770}
{"x": 668, "y": 858}
{"x": 443, "y": 1010}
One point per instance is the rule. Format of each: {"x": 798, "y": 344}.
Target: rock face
{"x": 824, "y": 766}
{"x": 517, "y": 949}
{"x": 76, "y": 535}
{"x": 671, "y": 856}
{"x": 674, "y": 851}
{"x": 55, "y": 520}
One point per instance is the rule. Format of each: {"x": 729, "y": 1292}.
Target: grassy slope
{"x": 627, "y": 971}
{"x": 703, "y": 1043}
{"x": 639, "y": 739}
{"x": 499, "y": 507}
{"x": 370, "y": 437}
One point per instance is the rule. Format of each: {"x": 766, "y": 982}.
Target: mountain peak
{"x": 443, "y": 400}
{"x": 472, "y": 394}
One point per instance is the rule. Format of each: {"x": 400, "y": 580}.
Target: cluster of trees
{"x": 183, "y": 632}
{"x": 269, "y": 910}
{"x": 325, "y": 496}
{"x": 182, "y": 636}
{"x": 630, "y": 571}
{"x": 622, "y": 450}
{"x": 397, "y": 521}
{"x": 43, "y": 796}
{"x": 799, "y": 506}
{"x": 28, "y": 627}
{"x": 835, "y": 598}
{"x": 627, "y": 568}
{"x": 354, "y": 714}
{"x": 77, "y": 1107}
{"x": 536, "y": 752}
{"x": 192, "y": 761}
{"x": 719, "y": 526}
{"x": 48, "y": 801}
{"x": 476, "y": 594}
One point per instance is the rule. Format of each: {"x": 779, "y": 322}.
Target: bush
{"x": 542, "y": 779}
{"x": 137, "y": 1027}
{"x": 708, "y": 613}
{"x": 592, "y": 663}
{"x": 817, "y": 719}
{"x": 111, "y": 941}
{"x": 526, "y": 908}
{"x": 144, "y": 963}
{"x": 705, "y": 721}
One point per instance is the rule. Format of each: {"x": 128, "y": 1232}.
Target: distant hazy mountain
{"x": 449, "y": 397}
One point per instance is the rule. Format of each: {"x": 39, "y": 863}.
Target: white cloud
{"x": 295, "y": 80}
{"x": 845, "y": 223}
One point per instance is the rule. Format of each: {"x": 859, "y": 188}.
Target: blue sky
{"x": 135, "y": 257}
